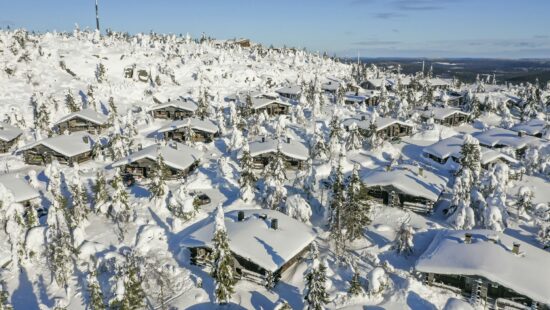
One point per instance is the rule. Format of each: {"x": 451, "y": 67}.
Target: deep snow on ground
{"x": 152, "y": 232}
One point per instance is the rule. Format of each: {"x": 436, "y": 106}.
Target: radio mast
{"x": 96, "y": 16}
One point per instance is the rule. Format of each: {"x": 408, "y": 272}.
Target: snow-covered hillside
{"x": 110, "y": 218}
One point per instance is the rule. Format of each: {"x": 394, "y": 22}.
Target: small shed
{"x": 22, "y": 192}
{"x": 9, "y": 135}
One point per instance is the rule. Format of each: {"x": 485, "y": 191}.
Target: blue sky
{"x": 376, "y": 28}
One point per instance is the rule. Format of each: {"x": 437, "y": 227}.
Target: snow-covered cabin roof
{"x": 439, "y": 82}
{"x": 330, "y": 86}
{"x": 407, "y": 179}
{"x": 527, "y": 273}
{"x": 183, "y": 104}
{"x": 500, "y": 136}
{"x": 253, "y": 239}
{"x": 376, "y": 82}
{"x": 441, "y": 114}
{"x": 531, "y": 127}
{"x": 193, "y": 123}
{"x": 9, "y": 132}
{"x": 20, "y": 189}
{"x": 87, "y": 114}
{"x": 289, "y": 147}
{"x": 364, "y": 120}
{"x": 290, "y": 90}
{"x": 68, "y": 145}
{"x": 405, "y": 81}
{"x": 241, "y": 95}
{"x": 178, "y": 156}
{"x": 453, "y": 145}
{"x": 258, "y": 103}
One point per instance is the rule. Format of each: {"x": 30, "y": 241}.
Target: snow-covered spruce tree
{"x": 158, "y": 188}
{"x": 357, "y": 207}
{"x": 101, "y": 195}
{"x": 181, "y": 204}
{"x": 79, "y": 202}
{"x": 315, "y": 291}
{"x": 309, "y": 183}
{"x": 378, "y": 281}
{"x": 42, "y": 120}
{"x": 274, "y": 178}
{"x": 403, "y": 243}
{"x": 543, "y": 235}
{"x": 203, "y": 109}
{"x": 335, "y": 135}
{"x": 134, "y": 296}
{"x": 354, "y": 140}
{"x": 95, "y": 300}
{"x": 283, "y": 305}
{"x": 319, "y": 149}
{"x": 100, "y": 72}
{"x": 71, "y": 104}
{"x": 470, "y": 157}
{"x": 375, "y": 142}
{"x": 355, "y": 286}
{"x": 463, "y": 216}
{"x": 120, "y": 207}
{"x": 247, "y": 178}
{"x": 222, "y": 260}
{"x": 15, "y": 228}
{"x": 59, "y": 244}
{"x": 525, "y": 199}
{"x": 236, "y": 141}
{"x": 337, "y": 208}
{"x": 4, "y": 297}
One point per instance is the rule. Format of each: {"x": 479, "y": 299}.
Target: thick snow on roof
{"x": 406, "y": 179}
{"x": 87, "y": 114}
{"x": 20, "y": 189}
{"x": 377, "y": 82}
{"x": 253, "y": 238}
{"x": 184, "y": 104}
{"x": 68, "y": 145}
{"x": 181, "y": 158}
{"x": 258, "y": 103}
{"x": 381, "y": 122}
{"x": 442, "y": 113}
{"x": 531, "y": 127}
{"x": 527, "y": 273}
{"x": 330, "y": 86}
{"x": 292, "y": 90}
{"x": 453, "y": 145}
{"x": 293, "y": 149}
{"x": 496, "y": 136}
{"x": 439, "y": 82}
{"x": 9, "y": 132}
{"x": 193, "y": 123}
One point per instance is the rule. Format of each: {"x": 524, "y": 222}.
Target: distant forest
{"x": 467, "y": 69}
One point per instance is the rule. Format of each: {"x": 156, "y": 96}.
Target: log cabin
{"x": 291, "y": 92}
{"x": 264, "y": 243}
{"x": 190, "y": 128}
{"x": 174, "y": 110}
{"x": 22, "y": 192}
{"x": 495, "y": 269}
{"x": 446, "y": 116}
{"x": 180, "y": 160}
{"x": 66, "y": 149}
{"x": 498, "y": 138}
{"x": 264, "y": 149}
{"x": 386, "y": 128}
{"x": 85, "y": 120}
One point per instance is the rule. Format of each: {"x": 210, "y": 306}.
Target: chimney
{"x": 515, "y": 248}
{"x": 421, "y": 171}
{"x": 521, "y": 133}
{"x": 274, "y": 224}
{"x": 240, "y": 216}
{"x": 467, "y": 238}
{"x": 140, "y": 147}
{"x": 263, "y": 139}
{"x": 86, "y": 139}
{"x": 288, "y": 140}
{"x": 363, "y": 117}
